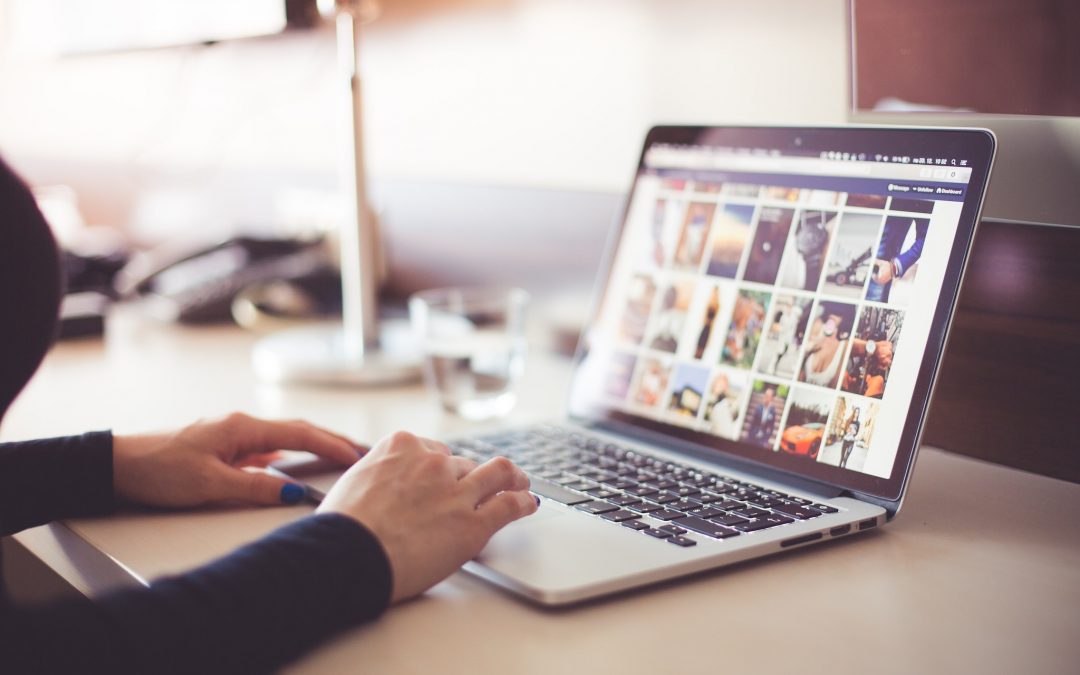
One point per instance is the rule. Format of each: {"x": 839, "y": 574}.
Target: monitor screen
{"x": 778, "y": 301}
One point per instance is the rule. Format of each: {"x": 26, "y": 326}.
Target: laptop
{"x": 759, "y": 361}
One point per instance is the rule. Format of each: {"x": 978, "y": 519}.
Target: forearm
{"x": 251, "y": 611}
{"x": 55, "y": 478}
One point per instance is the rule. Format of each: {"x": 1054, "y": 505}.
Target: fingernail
{"x": 537, "y": 498}
{"x": 292, "y": 493}
{"x": 360, "y": 450}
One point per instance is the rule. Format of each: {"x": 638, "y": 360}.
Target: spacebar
{"x": 550, "y": 490}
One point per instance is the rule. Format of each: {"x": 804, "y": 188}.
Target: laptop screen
{"x": 775, "y": 293}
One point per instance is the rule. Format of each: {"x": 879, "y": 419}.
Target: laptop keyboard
{"x": 659, "y": 498}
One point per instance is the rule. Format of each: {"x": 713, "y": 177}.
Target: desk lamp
{"x": 360, "y": 351}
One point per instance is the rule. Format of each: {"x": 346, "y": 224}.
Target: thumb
{"x": 258, "y": 487}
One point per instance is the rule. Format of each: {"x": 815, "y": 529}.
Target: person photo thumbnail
{"x": 693, "y": 234}
{"x": 872, "y": 351}
{"x": 830, "y": 329}
{"x": 783, "y": 336}
{"x": 670, "y": 319}
{"x": 620, "y": 371}
{"x": 732, "y": 231}
{"x": 640, "y": 293}
{"x": 804, "y": 255}
{"x": 849, "y": 433}
{"x": 848, "y": 267}
{"x": 762, "y": 420}
{"x": 727, "y": 398}
{"x": 688, "y": 390}
{"x": 651, "y": 382}
{"x": 660, "y": 232}
{"x": 897, "y": 259}
{"x": 804, "y": 426}
{"x": 741, "y": 190}
{"x": 713, "y": 305}
{"x": 744, "y": 333}
{"x": 768, "y": 245}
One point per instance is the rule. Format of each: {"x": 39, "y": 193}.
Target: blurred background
{"x": 501, "y": 134}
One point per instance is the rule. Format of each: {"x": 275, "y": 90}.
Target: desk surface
{"x": 979, "y": 573}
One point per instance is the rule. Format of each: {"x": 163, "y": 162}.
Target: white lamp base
{"x": 317, "y": 355}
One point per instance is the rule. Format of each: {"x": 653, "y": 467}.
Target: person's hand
{"x": 431, "y": 511}
{"x": 203, "y": 463}
{"x": 883, "y": 272}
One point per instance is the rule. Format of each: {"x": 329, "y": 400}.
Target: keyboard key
{"x": 601, "y": 493}
{"x": 761, "y": 523}
{"x": 686, "y": 491}
{"x": 619, "y": 515}
{"x": 644, "y": 507}
{"x": 824, "y": 508}
{"x": 666, "y": 515}
{"x": 642, "y": 490}
{"x": 751, "y": 512}
{"x": 728, "y": 520}
{"x": 635, "y": 524}
{"x": 707, "y": 527}
{"x": 797, "y": 511}
{"x": 556, "y": 492}
{"x": 664, "y": 498}
{"x": 683, "y": 505}
{"x": 705, "y": 512}
{"x": 659, "y": 534}
{"x": 625, "y": 500}
{"x": 661, "y": 483}
{"x": 671, "y": 529}
{"x": 620, "y": 483}
{"x": 597, "y": 507}
{"x": 682, "y": 541}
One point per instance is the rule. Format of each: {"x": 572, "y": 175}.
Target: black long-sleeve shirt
{"x": 250, "y": 611}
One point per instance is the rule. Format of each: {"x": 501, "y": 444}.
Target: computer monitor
{"x": 1010, "y": 65}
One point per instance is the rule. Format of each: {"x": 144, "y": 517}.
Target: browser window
{"x": 777, "y": 301}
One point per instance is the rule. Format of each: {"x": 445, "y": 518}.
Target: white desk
{"x": 979, "y": 573}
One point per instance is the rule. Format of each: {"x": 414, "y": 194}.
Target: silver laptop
{"x": 760, "y": 359}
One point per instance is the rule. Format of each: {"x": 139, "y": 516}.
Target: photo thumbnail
{"x": 827, "y": 338}
{"x": 804, "y": 427}
{"x": 639, "y": 298}
{"x": 896, "y": 261}
{"x": 741, "y": 190}
{"x": 772, "y": 232}
{"x": 762, "y": 420}
{"x": 725, "y": 402}
{"x": 688, "y": 389}
{"x": 867, "y": 201}
{"x": 744, "y": 332}
{"x": 620, "y": 371}
{"x": 661, "y": 230}
{"x": 693, "y": 234}
{"x": 804, "y": 255}
{"x": 676, "y": 184}
{"x": 784, "y": 333}
{"x": 872, "y": 351}
{"x": 716, "y": 298}
{"x": 823, "y": 199}
{"x": 706, "y": 186}
{"x": 847, "y": 439}
{"x": 651, "y": 381}
{"x": 852, "y": 252}
{"x": 781, "y": 194}
{"x": 732, "y": 231}
{"x": 670, "y": 319}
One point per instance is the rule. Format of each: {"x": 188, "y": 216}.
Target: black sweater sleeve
{"x": 249, "y": 612}
{"x": 54, "y": 478}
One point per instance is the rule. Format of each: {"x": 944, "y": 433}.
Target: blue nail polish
{"x": 537, "y": 498}
{"x": 292, "y": 493}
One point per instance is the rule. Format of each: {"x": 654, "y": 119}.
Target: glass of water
{"x": 473, "y": 341}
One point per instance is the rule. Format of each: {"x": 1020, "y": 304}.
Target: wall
{"x": 537, "y": 93}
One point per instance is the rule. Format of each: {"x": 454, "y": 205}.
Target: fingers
{"x": 492, "y": 477}
{"x": 506, "y": 507}
{"x": 258, "y": 488}
{"x": 259, "y": 436}
{"x": 462, "y": 466}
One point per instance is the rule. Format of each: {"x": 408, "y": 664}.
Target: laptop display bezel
{"x": 977, "y": 146}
